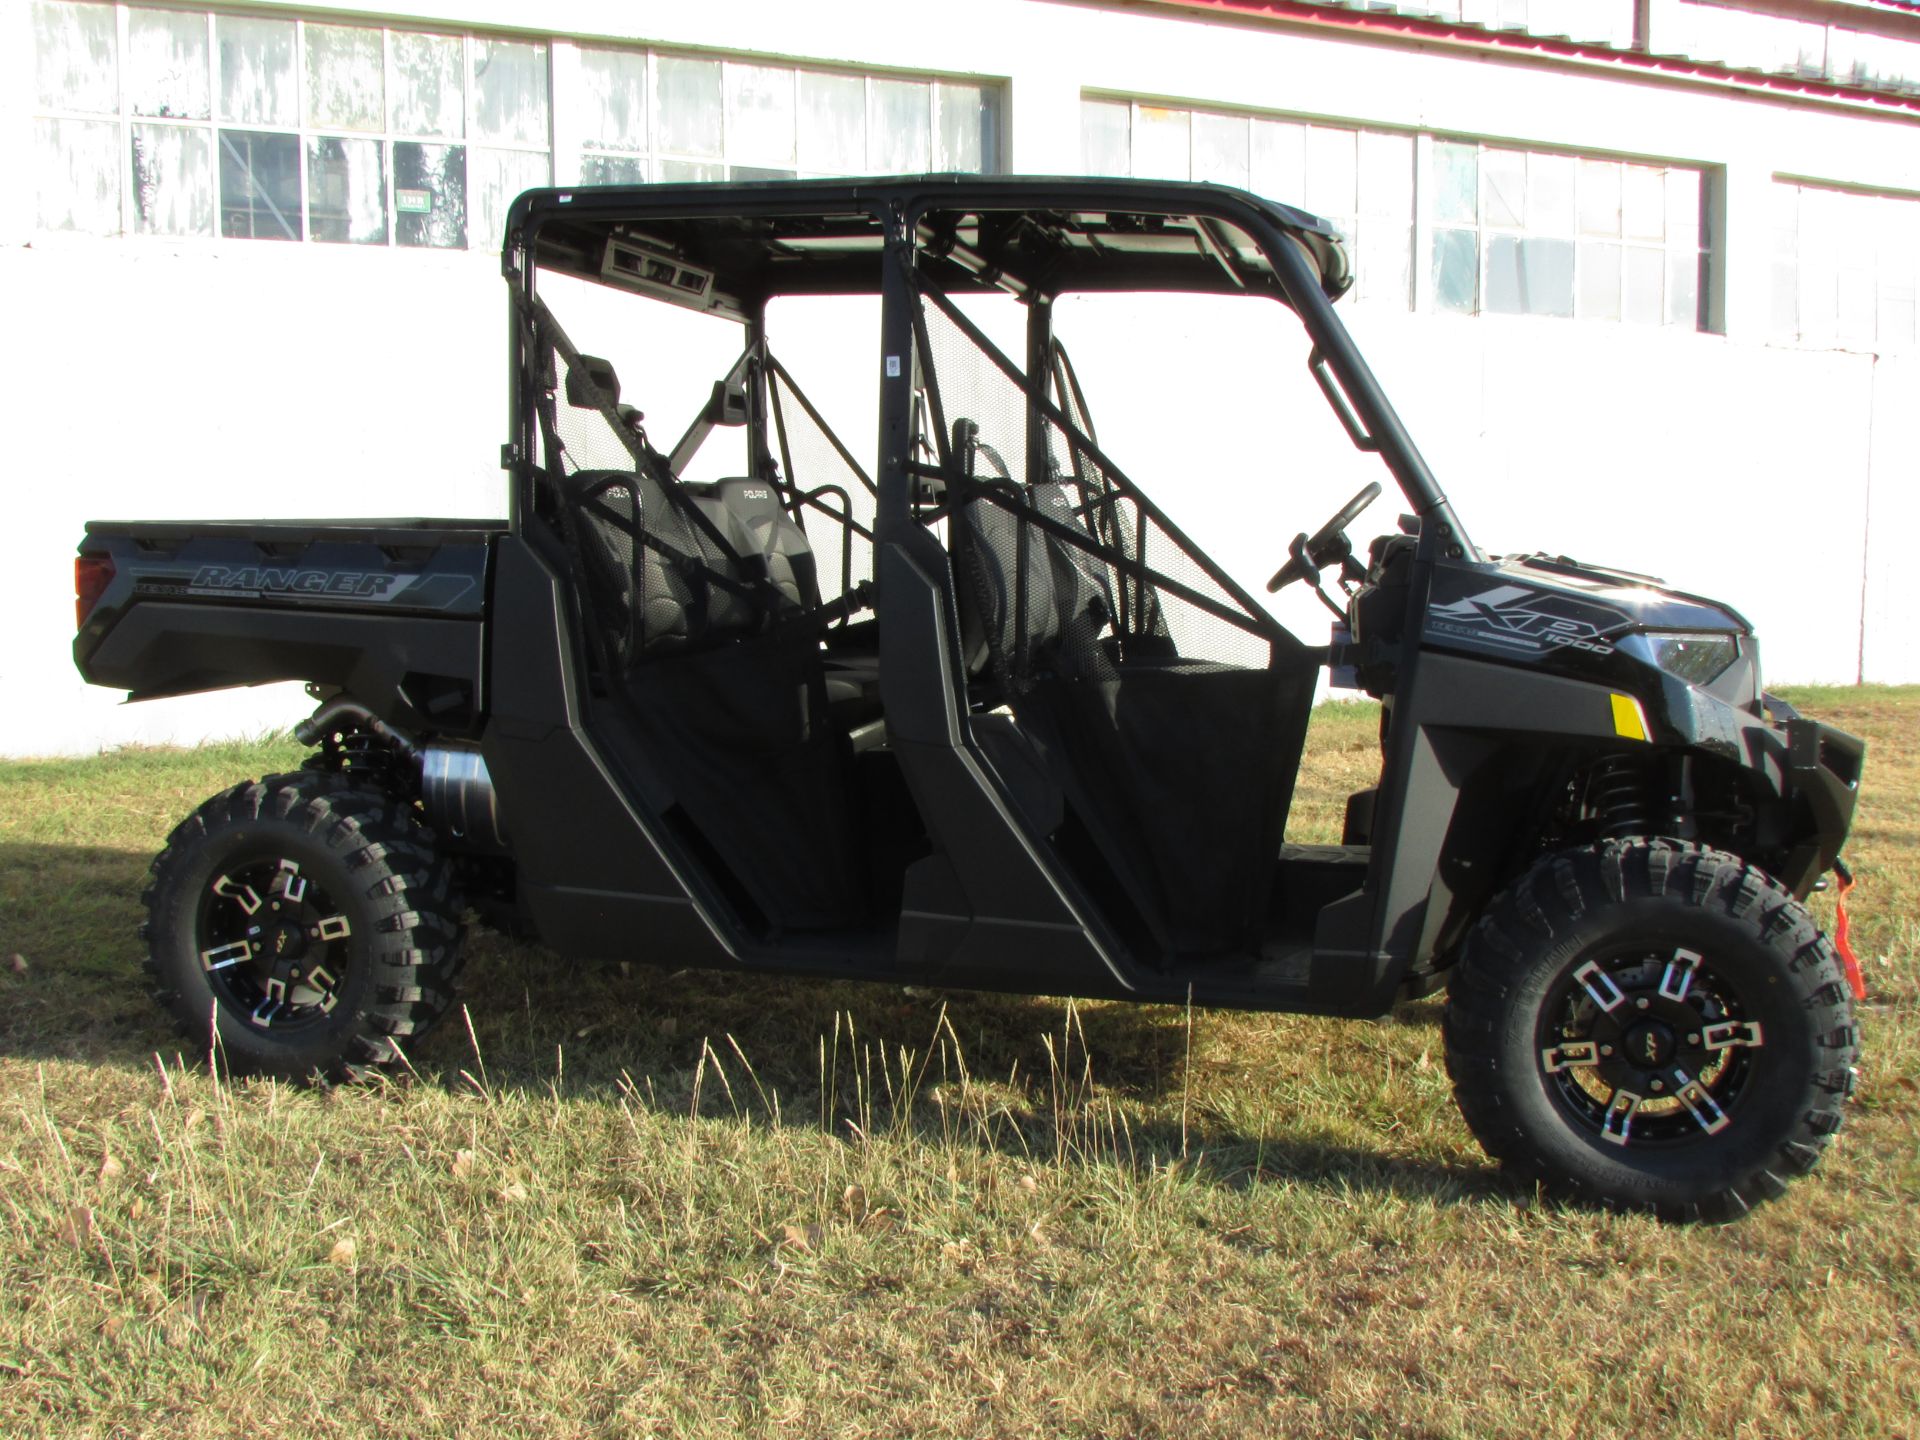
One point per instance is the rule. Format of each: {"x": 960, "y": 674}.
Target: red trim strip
{"x": 1474, "y": 38}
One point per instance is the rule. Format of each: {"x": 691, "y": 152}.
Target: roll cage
{"x": 1095, "y": 730}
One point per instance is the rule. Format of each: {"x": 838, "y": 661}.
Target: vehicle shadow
{"x": 1098, "y": 1081}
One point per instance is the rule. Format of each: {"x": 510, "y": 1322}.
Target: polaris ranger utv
{"x": 985, "y": 717}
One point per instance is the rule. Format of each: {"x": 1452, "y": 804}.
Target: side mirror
{"x": 591, "y": 383}
{"x": 727, "y": 405}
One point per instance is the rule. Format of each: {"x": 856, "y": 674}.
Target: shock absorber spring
{"x": 1617, "y": 796}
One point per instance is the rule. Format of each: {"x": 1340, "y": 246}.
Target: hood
{"x": 1526, "y": 607}
{"x": 1646, "y": 599}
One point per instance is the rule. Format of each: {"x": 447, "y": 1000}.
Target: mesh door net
{"x": 712, "y": 666}
{"x": 1171, "y": 713}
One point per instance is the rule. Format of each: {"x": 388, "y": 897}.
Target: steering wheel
{"x": 1310, "y": 554}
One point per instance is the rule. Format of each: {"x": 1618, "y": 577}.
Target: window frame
{"x": 1395, "y": 292}
{"x": 1702, "y": 252}
{"x": 557, "y": 146}
{"x": 1427, "y": 229}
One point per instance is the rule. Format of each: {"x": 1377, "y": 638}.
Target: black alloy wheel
{"x": 300, "y": 924}
{"x": 1651, "y": 1025}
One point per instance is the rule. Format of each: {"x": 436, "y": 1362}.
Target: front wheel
{"x": 299, "y": 924}
{"x": 1651, "y": 1025}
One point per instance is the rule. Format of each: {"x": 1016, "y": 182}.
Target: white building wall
{"x": 153, "y": 379}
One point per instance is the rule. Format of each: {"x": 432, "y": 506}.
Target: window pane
{"x": 688, "y": 99}
{"x": 1786, "y": 300}
{"x": 1503, "y": 188}
{"x": 1528, "y": 276}
{"x": 966, "y": 127}
{"x": 1220, "y": 149}
{"x": 899, "y": 127}
{"x": 1386, "y": 176}
{"x": 429, "y": 91}
{"x": 1818, "y": 297}
{"x": 760, "y": 121}
{"x": 78, "y": 175}
{"x": 172, "y": 180}
{"x": 1105, "y": 148}
{"x": 1683, "y": 289}
{"x": 1897, "y": 315}
{"x": 1456, "y": 271}
{"x": 1599, "y": 197}
{"x": 1550, "y": 194}
{"x": 1683, "y": 207}
{"x": 259, "y": 186}
{"x": 346, "y": 79}
{"x": 347, "y": 189}
{"x": 833, "y": 124}
{"x": 510, "y": 92}
{"x": 1642, "y": 302}
{"x": 73, "y": 46}
{"x": 612, "y": 170}
{"x": 167, "y": 72}
{"x": 1331, "y": 172}
{"x": 1644, "y": 204}
{"x": 758, "y": 172}
{"x": 674, "y": 172}
{"x": 1386, "y": 261}
{"x": 256, "y": 73}
{"x": 1856, "y": 306}
{"x": 430, "y": 195}
{"x": 1456, "y": 181}
{"x": 1162, "y": 143}
{"x": 610, "y": 102}
{"x": 1599, "y": 281}
{"x": 1279, "y": 168}
{"x": 495, "y": 179}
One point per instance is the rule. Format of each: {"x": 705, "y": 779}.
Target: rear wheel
{"x": 300, "y": 924}
{"x": 1651, "y": 1025}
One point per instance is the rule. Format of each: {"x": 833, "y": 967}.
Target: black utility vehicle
{"x": 984, "y": 717}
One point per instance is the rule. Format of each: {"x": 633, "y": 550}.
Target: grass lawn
{"x": 618, "y": 1201}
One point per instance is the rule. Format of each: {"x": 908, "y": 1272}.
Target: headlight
{"x": 1696, "y": 659}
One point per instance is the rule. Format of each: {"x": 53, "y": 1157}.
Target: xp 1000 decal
{"x": 1516, "y": 621}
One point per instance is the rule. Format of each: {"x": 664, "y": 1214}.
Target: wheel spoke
{"x": 1678, "y": 976}
{"x": 1599, "y": 985}
{"x": 1556, "y": 1058}
{"x": 271, "y": 1005}
{"x": 245, "y": 896}
{"x": 323, "y": 984}
{"x": 221, "y": 956}
{"x": 1618, "y": 1123}
{"x": 1729, "y": 1033}
{"x": 292, "y": 884}
{"x": 1705, "y": 1110}
{"x": 334, "y": 927}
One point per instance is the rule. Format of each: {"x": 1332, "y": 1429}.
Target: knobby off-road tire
{"x": 300, "y": 924}
{"x": 1651, "y": 1025}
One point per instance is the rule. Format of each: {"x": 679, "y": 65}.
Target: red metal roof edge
{"x": 1472, "y": 37}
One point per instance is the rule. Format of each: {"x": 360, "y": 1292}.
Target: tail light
{"x": 91, "y": 576}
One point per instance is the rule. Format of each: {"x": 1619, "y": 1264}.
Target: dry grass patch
{"x": 624, "y": 1202}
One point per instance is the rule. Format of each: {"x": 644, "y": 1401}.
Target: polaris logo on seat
{"x": 295, "y": 582}
{"x": 756, "y": 494}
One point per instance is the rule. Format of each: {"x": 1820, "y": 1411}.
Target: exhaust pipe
{"x": 455, "y": 789}
{"x": 458, "y": 796}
